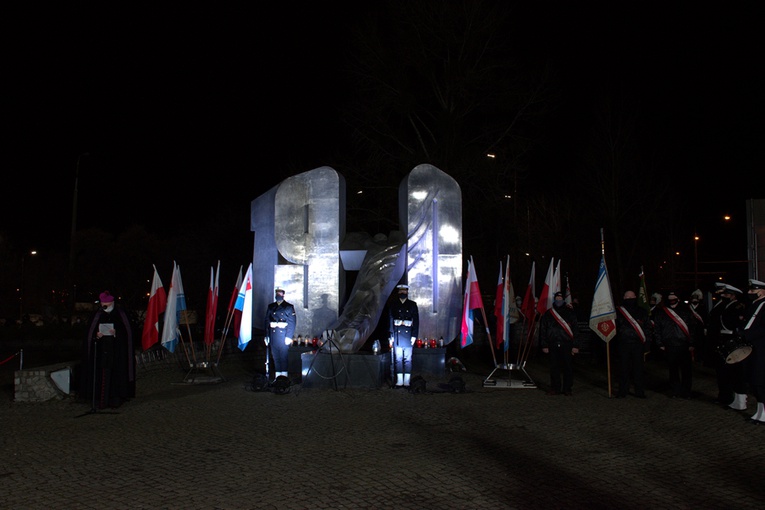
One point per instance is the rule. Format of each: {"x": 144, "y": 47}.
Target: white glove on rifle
{"x": 414, "y": 339}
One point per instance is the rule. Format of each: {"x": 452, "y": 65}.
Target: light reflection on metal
{"x": 299, "y": 227}
{"x": 430, "y": 204}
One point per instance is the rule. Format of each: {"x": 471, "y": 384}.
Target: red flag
{"x": 547, "y": 295}
{"x": 529, "y": 304}
{"x": 499, "y": 301}
{"x": 157, "y": 304}
{"x": 212, "y": 306}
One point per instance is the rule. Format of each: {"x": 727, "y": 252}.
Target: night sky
{"x": 181, "y": 107}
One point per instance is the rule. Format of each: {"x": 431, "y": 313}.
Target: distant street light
{"x": 695, "y": 261}
{"x": 21, "y": 287}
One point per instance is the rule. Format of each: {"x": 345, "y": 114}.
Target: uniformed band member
{"x": 404, "y": 328}
{"x": 731, "y": 383}
{"x": 559, "y": 337}
{"x": 754, "y": 334}
{"x": 676, "y": 329}
{"x": 280, "y": 325}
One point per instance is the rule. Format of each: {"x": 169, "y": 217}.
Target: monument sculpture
{"x": 300, "y": 244}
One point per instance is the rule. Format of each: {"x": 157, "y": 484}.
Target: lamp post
{"x": 74, "y": 213}
{"x": 695, "y": 261}
{"x": 21, "y": 287}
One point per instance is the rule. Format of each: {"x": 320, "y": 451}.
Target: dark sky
{"x": 187, "y": 105}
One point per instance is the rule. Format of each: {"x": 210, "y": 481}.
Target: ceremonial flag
{"x": 212, "y": 306}
{"x": 244, "y": 305}
{"x": 237, "y": 314}
{"x": 529, "y": 304}
{"x": 472, "y": 301}
{"x": 556, "y": 286}
{"x": 642, "y": 299}
{"x": 603, "y": 314}
{"x": 156, "y": 307}
{"x": 170, "y": 331}
{"x": 567, "y": 294}
{"x": 510, "y": 312}
{"x": 547, "y": 295}
{"x": 499, "y": 305}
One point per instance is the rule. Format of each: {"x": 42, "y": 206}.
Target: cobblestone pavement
{"x": 220, "y": 446}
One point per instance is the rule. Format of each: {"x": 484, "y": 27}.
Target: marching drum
{"x": 734, "y": 349}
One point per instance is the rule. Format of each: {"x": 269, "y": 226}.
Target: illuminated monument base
{"x": 365, "y": 370}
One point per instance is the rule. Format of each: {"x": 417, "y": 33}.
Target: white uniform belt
{"x": 399, "y": 322}
{"x": 278, "y": 324}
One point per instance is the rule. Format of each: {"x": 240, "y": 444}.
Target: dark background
{"x": 175, "y": 118}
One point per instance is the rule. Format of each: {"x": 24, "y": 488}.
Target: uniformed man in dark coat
{"x": 404, "y": 328}
{"x": 754, "y": 334}
{"x": 280, "y": 325}
{"x": 676, "y": 328}
{"x": 731, "y": 382}
{"x": 559, "y": 337}
{"x": 633, "y": 336}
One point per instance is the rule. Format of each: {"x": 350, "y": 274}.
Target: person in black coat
{"x": 633, "y": 334}
{"x": 108, "y": 359}
{"x": 676, "y": 328}
{"x": 404, "y": 326}
{"x": 754, "y": 333}
{"x": 279, "y": 323}
{"x": 559, "y": 337}
{"x": 729, "y": 319}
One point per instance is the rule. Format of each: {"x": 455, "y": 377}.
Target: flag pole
{"x": 608, "y": 344}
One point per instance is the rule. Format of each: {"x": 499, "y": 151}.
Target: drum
{"x": 734, "y": 349}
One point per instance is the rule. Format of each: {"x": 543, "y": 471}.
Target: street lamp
{"x": 695, "y": 261}
{"x": 21, "y": 287}
{"x": 74, "y": 212}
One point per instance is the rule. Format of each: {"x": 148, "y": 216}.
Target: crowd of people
{"x": 729, "y": 337}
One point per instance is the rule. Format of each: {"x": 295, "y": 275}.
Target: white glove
{"x": 390, "y": 342}
{"x": 414, "y": 339}
{"x": 267, "y": 340}
{"x": 288, "y": 341}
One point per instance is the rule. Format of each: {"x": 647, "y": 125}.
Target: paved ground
{"x": 219, "y": 446}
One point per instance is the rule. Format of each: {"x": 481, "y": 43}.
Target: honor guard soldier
{"x": 754, "y": 334}
{"x": 280, "y": 325}
{"x": 404, "y": 329}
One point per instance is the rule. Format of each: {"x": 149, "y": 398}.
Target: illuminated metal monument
{"x": 300, "y": 244}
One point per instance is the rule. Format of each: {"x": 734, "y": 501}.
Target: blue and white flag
{"x": 244, "y": 305}
{"x": 603, "y": 313}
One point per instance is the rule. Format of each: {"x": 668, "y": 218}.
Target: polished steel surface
{"x": 299, "y": 228}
